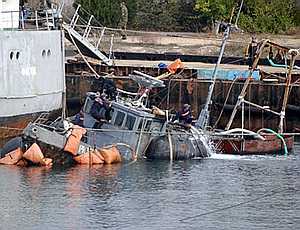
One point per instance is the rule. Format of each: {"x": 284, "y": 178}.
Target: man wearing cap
{"x": 186, "y": 115}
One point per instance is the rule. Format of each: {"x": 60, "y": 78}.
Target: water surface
{"x": 223, "y": 193}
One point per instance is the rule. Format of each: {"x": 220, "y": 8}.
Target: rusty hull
{"x": 272, "y": 145}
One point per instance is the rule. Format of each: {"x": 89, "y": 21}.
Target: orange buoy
{"x": 92, "y": 157}
{"x": 111, "y": 155}
{"x": 12, "y": 157}
{"x": 73, "y": 141}
{"x": 34, "y": 154}
{"x": 174, "y": 66}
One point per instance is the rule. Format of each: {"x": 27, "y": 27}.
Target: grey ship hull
{"x": 32, "y": 77}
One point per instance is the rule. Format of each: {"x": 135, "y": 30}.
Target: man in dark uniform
{"x": 252, "y": 51}
{"x": 123, "y": 20}
{"x": 106, "y": 85}
{"x": 101, "y": 108}
{"x": 185, "y": 115}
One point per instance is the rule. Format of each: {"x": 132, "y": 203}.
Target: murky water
{"x": 223, "y": 193}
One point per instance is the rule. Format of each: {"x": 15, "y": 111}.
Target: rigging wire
{"x": 226, "y": 99}
{"x": 265, "y": 195}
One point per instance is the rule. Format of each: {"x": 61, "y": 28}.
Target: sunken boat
{"x": 124, "y": 129}
{"x": 149, "y": 132}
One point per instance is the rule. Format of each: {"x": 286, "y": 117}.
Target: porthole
{"x": 11, "y": 55}
{"x": 17, "y": 55}
{"x": 48, "y": 53}
{"x": 44, "y": 53}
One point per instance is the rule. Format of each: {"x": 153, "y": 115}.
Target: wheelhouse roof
{"x": 137, "y": 111}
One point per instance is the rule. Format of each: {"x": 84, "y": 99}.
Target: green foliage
{"x": 187, "y": 18}
{"x": 108, "y": 11}
{"x": 272, "y": 16}
{"x": 215, "y": 9}
{"x": 156, "y": 15}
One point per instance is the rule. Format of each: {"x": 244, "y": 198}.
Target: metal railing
{"x": 47, "y": 19}
{"x": 91, "y": 30}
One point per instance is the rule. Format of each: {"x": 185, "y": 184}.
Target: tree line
{"x": 262, "y": 16}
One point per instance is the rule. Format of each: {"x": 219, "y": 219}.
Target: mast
{"x": 294, "y": 54}
{"x": 203, "y": 118}
{"x": 245, "y": 87}
{"x": 204, "y": 115}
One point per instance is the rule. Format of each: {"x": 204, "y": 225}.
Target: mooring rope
{"x": 11, "y": 128}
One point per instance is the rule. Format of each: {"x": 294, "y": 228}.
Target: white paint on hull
{"x": 31, "y": 72}
{"x": 35, "y": 104}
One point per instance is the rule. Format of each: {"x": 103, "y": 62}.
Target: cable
{"x": 11, "y": 128}
{"x": 227, "y": 97}
{"x": 267, "y": 194}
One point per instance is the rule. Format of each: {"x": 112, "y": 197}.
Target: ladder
{"x": 81, "y": 36}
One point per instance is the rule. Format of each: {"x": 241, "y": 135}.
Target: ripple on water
{"x": 155, "y": 195}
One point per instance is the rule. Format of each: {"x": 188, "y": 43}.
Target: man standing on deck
{"x": 123, "y": 20}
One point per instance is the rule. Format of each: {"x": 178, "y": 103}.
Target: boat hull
{"x": 183, "y": 147}
{"x": 32, "y": 77}
{"x": 11, "y": 127}
{"x": 271, "y": 145}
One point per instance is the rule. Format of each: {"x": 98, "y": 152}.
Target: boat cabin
{"x": 124, "y": 116}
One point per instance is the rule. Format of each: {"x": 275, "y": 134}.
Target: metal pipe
{"x": 243, "y": 116}
{"x": 238, "y": 15}
{"x": 47, "y": 20}
{"x": 22, "y": 20}
{"x": 110, "y": 56}
{"x": 204, "y": 115}
{"x": 87, "y": 29}
{"x": 12, "y": 20}
{"x": 287, "y": 90}
{"x": 261, "y": 107}
{"x": 101, "y": 36}
{"x": 75, "y": 16}
{"x": 244, "y": 90}
{"x": 36, "y": 20}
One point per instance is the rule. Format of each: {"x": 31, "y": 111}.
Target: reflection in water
{"x": 153, "y": 195}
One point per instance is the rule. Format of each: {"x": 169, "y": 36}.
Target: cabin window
{"x": 119, "y": 119}
{"x": 148, "y": 125}
{"x": 130, "y": 120}
{"x": 141, "y": 124}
